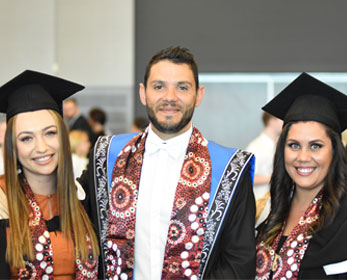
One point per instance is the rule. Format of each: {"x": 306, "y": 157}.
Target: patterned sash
{"x": 188, "y": 218}
{"x": 286, "y": 264}
{"x": 42, "y": 266}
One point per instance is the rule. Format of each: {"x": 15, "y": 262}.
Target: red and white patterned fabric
{"x": 188, "y": 217}
{"x": 42, "y": 266}
{"x": 286, "y": 264}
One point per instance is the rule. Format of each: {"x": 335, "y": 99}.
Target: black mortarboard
{"x": 32, "y": 91}
{"x": 308, "y": 99}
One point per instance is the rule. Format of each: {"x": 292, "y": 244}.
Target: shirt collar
{"x": 173, "y": 146}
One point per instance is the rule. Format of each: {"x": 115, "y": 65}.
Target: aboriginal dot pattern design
{"x": 188, "y": 217}
{"x": 42, "y": 266}
{"x": 286, "y": 264}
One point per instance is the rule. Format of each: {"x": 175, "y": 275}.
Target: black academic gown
{"x": 327, "y": 246}
{"x": 4, "y": 267}
{"x": 233, "y": 254}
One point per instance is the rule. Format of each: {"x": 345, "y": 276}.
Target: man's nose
{"x": 171, "y": 94}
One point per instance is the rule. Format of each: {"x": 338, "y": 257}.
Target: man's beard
{"x": 167, "y": 127}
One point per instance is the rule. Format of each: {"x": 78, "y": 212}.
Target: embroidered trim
{"x": 221, "y": 202}
{"x": 101, "y": 192}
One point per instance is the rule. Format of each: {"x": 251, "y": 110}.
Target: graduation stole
{"x": 188, "y": 217}
{"x": 42, "y": 266}
{"x": 286, "y": 263}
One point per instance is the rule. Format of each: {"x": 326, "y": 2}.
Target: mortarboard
{"x": 32, "y": 91}
{"x": 309, "y": 99}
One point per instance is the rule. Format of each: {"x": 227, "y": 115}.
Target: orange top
{"x": 63, "y": 250}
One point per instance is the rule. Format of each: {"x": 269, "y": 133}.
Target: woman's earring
{"x": 19, "y": 170}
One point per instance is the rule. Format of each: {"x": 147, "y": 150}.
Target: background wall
{"x": 90, "y": 42}
{"x": 105, "y": 45}
{"x": 232, "y": 36}
{"x": 27, "y": 33}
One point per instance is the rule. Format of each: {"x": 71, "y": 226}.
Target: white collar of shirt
{"x": 173, "y": 146}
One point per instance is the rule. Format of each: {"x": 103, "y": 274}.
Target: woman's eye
{"x": 25, "y": 139}
{"x": 294, "y": 146}
{"x": 316, "y": 146}
{"x": 51, "y": 132}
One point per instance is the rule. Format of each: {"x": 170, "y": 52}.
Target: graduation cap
{"x": 309, "y": 99}
{"x": 32, "y": 91}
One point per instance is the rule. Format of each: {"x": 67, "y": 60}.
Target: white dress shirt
{"x": 161, "y": 169}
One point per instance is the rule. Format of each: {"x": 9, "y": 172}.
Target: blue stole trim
{"x": 118, "y": 142}
{"x": 219, "y": 157}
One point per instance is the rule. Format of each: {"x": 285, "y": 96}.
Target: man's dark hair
{"x": 176, "y": 55}
{"x": 98, "y": 115}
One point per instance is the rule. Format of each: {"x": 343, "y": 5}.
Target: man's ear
{"x": 199, "y": 95}
{"x": 142, "y": 92}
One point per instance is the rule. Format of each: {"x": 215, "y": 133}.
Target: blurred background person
{"x": 80, "y": 147}
{"x": 97, "y": 120}
{"x": 139, "y": 125}
{"x": 344, "y": 137}
{"x": 305, "y": 233}
{"x": 263, "y": 147}
{"x": 74, "y": 119}
{"x": 2, "y": 140}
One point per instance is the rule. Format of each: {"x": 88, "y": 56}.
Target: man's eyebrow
{"x": 184, "y": 82}
{"x": 157, "y": 81}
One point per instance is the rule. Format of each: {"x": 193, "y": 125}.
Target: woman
{"x": 44, "y": 230}
{"x": 304, "y": 234}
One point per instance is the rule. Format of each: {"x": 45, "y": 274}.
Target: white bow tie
{"x": 172, "y": 149}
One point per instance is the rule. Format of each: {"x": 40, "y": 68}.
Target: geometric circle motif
{"x": 177, "y": 232}
{"x": 262, "y": 261}
{"x": 122, "y": 200}
{"x": 195, "y": 168}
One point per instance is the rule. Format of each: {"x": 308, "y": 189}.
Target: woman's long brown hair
{"x": 75, "y": 223}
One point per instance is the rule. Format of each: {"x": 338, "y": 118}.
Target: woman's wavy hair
{"x": 74, "y": 221}
{"x": 282, "y": 187}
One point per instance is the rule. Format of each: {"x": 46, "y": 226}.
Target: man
{"x": 75, "y": 120}
{"x": 263, "y": 147}
{"x": 180, "y": 207}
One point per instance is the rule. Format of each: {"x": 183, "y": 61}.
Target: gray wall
{"x": 244, "y": 36}
{"x": 90, "y": 42}
{"x": 247, "y": 35}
